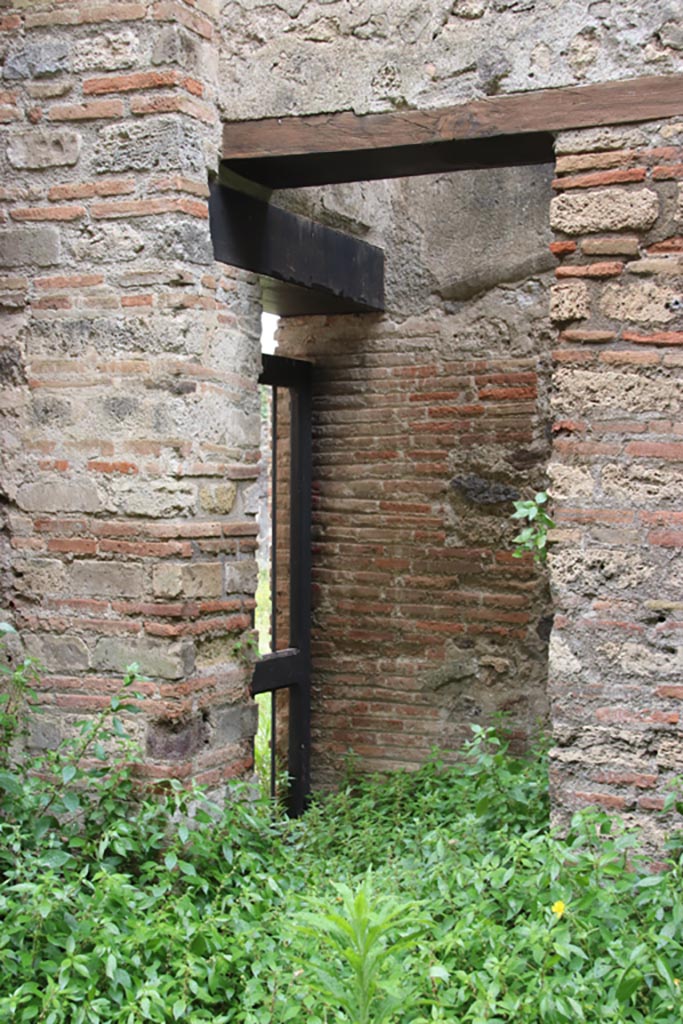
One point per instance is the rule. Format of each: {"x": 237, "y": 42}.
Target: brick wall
{"x": 130, "y": 409}
{"x": 423, "y": 621}
{"x": 617, "y": 470}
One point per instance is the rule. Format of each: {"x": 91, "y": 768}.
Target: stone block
{"x": 37, "y": 246}
{"x": 107, "y": 579}
{"x": 185, "y": 240}
{"x": 218, "y": 498}
{"x": 600, "y": 139}
{"x": 562, "y": 661}
{"x": 162, "y": 144}
{"x": 59, "y": 496}
{"x": 157, "y": 499}
{"x": 606, "y": 393}
{"x": 66, "y": 654}
{"x": 232, "y": 724}
{"x": 109, "y": 51}
{"x": 37, "y": 148}
{"x": 202, "y": 579}
{"x": 171, "y": 739}
{"x": 40, "y": 576}
{"x": 569, "y": 302}
{"x": 604, "y": 209}
{"x": 241, "y": 577}
{"x": 156, "y": 658}
{"x": 36, "y": 60}
{"x": 641, "y": 302}
{"x": 569, "y": 483}
{"x": 219, "y": 650}
{"x": 167, "y": 579}
{"x": 174, "y": 45}
{"x": 108, "y": 243}
{"x": 642, "y": 484}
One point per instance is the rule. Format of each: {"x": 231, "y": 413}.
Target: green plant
{"x": 366, "y": 936}
{"x": 16, "y": 698}
{"x": 534, "y": 536}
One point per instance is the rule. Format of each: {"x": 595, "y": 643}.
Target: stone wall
{"x": 301, "y": 57}
{"x": 130, "y": 408}
{"x": 617, "y": 469}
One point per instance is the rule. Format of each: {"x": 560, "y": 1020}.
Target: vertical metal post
{"x": 291, "y": 668}
{"x": 300, "y": 592}
{"x": 273, "y": 589}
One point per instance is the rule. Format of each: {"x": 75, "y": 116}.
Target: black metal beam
{"x": 277, "y": 671}
{"x": 308, "y": 268}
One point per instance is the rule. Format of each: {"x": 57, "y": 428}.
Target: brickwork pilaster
{"x": 617, "y": 470}
{"x": 130, "y": 412}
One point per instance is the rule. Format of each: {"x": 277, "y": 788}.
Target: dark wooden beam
{"x": 500, "y": 130}
{"x": 306, "y": 268}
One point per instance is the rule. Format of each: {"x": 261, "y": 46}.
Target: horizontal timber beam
{"x": 319, "y": 149}
{"x": 305, "y": 268}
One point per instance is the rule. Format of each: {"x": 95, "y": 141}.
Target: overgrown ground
{"x": 436, "y": 896}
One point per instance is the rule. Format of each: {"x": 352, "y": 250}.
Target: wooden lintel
{"x": 326, "y": 148}
{"x": 306, "y": 267}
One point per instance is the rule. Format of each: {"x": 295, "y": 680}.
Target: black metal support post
{"x": 291, "y": 668}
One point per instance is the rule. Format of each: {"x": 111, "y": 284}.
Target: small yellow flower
{"x": 676, "y": 982}
{"x": 559, "y": 907}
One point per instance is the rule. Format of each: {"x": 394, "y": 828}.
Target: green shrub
{"x": 122, "y": 905}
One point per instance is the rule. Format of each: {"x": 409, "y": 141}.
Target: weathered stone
{"x": 671, "y": 34}
{"x": 561, "y": 659}
{"x": 218, "y": 498}
{"x": 569, "y": 302}
{"x": 216, "y": 651}
{"x": 241, "y": 577}
{"x": 107, "y": 579}
{"x": 156, "y": 145}
{"x": 36, "y": 60}
{"x": 108, "y": 243}
{"x": 40, "y": 576}
{"x": 185, "y": 240}
{"x": 108, "y": 51}
{"x": 589, "y": 140}
{"x": 171, "y": 739}
{"x": 35, "y": 148}
{"x": 232, "y": 724}
{"x": 51, "y": 411}
{"x": 59, "y": 496}
{"x": 12, "y": 370}
{"x": 570, "y": 482}
{"x": 29, "y": 247}
{"x": 642, "y": 484}
{"x": 643, "y": 302}
{"x": 483, "y": 491}
{"x": 202, "y": 579}
{"x": 167, "y": 579}
{"x": 58, "y": 653}
{"x": 155, "y": 498}
{"x": 174, "y": 45}
{"x": 604, "y": 209}
{"x": 600, "y": 568}
{"x": 609, "y": 393}
{"x": 639, "y": 660}
{"x": 666, "y": 265}
{"x": 156, "y": 658}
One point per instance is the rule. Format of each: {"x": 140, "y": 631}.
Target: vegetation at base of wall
{"x": 440, "y": 895}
